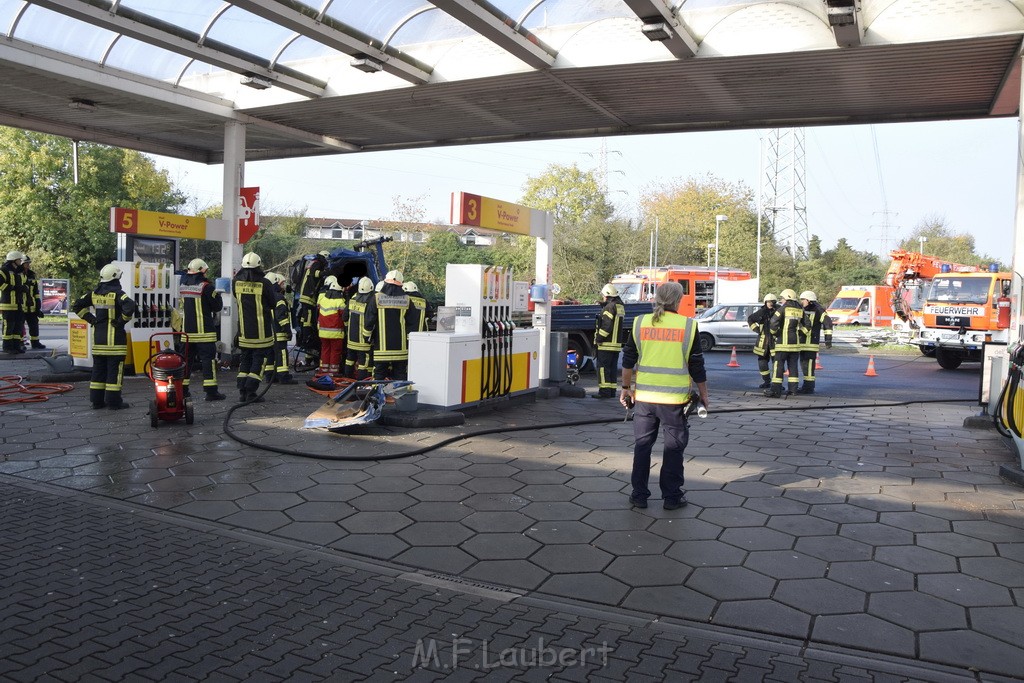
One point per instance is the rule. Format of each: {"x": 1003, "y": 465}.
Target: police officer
{"x": 817, "y": 322}
{"x": 418, "y": 309}
{"x": 758, "y": 322}
{"x": 357, "y": 361}
{"x": 385, "y": 322}
{"x": 199, "y": 306}
{"x": 665, "y": 350}
{"x": 12, "y": 302}
{"x": 108, "y": 309}
{"x": 282, "y": 331}
{"x": 256, "y": 301}
{"x": 33, "y": 304}
{"x": 787, "y": 326}
{"x": 608, "y": 338}
{"x": 331, "y": 323}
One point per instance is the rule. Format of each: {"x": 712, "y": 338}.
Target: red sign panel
{"x": 126, "y": 220}
{"x": 248, "y": 213}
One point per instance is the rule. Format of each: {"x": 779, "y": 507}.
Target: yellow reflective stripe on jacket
{"x": 609, "y": 337}
{"x": 662, "y": 373}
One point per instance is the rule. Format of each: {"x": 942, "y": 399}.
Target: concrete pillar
{"x": 231, "y": 251}
{"x": 542, "y": 311}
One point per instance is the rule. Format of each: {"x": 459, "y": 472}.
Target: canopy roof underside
{"x": 362, "y": 75}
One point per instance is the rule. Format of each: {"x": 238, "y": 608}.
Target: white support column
{"x": 231, "y": 251}
{"x": 542, "y": 311}
{"x": 1016, "y": 299}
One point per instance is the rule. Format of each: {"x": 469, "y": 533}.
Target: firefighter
{"x": 385, "y": 322}
{"x": 309, "y": 290}
{"x": 664, "y": 349}
{"x": 608, "y": 337}
{"x": 256, "y": 301}
{"x": 418, "y": 309}
{"x": 199, "y": 307}
{"x": 12, "y": 302}
{"x": 758, "y": 322}
{"x": 787, "y": 327}
{"x": 108, "y": 309}
{"x": 33, "y": 304}
{"x": 357, "y": 355}
{"x": 331, "y": 323}
{"x": 282, "y": 331}
{"x": 817, "y": 322}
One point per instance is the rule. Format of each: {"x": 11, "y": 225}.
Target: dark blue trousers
{"x": 648, "y": 419}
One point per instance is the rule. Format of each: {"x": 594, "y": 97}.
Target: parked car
{"x": 726, "y": 325}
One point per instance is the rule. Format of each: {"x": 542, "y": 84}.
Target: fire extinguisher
{"x": 1003, "y": 313}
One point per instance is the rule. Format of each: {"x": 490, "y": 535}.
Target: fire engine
{"x": 698, "y": 284}
{"x": 909, "y": 275}
{"x": 962, "y": 312}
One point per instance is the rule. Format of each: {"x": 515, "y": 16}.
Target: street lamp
{"x": 710, "y": 247}
{"x": 718, "y": 229}
{"x": 921, "y": 240}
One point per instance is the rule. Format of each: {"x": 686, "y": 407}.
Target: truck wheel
{"x": 949, "y": 359}
{"x": 930, "y": 353}
{"x": 584, "y": 351}
{"x": 707, "y": 342}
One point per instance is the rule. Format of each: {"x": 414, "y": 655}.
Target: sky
{"x": 872, "y": 184}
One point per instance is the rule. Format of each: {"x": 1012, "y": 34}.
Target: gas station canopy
{"x": 339, "y": 76}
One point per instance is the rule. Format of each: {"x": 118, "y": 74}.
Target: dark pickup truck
{"x": 579, "y": 321}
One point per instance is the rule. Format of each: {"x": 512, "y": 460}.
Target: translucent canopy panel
{"x": 430, "y": 26}
{"x": 375, "y": 19}
{"x": 64, "y": 34}
{"x": 316, "y": 58}
{"x": 563, "y": 12}
{"x": 191, "y": 15}
{"x": 249, "y": 33}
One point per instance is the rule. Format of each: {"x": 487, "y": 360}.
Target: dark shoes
{"x": 805, "y": 390}
{"x": 603, "y": 393}
{"x": 767, "y": 384}
{"x": 285, "y": 379}
{"x": 118, "y": 406}
{"x": 638, "y": 502}
{"x": 215, "y": 396}
{"x": 773, "y": 393}
{"x": 38, "y": 345}
{"x": 675, "y": 504}
{"x": 97, "y": 406}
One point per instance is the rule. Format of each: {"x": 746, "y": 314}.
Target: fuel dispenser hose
{"x": 1008, "y": 416}
{"x": 525, "y": 428}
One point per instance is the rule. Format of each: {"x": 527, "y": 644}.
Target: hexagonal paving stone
{"x": 671, "y": 601}
{"x": 585, "y": 586}
{"x": 877, "y": 534}
{"x": 917, "y": 611}
{"x": 820, "y": 596}
{"x": 553, "y": 510}
{"x": 763, "y": 615}
{"x": 562, "y": 531}
{"x": 785, "y": 564}
{"x": 802, "y": 525}
{"x": 864, "y": 632}
{"x": 844, "y": 514}
{"x": 988, "y": 531}
{"x": 833, "y": 548}
{"x": 259, "y": 520}
{"x": 179, "y": 483}
{"x": 383, "y": 502}
{"x": 208, "y": 509}
{"x": 492, "y": 485}
{"x": 733, "y": 517}
{"x": 435, "y": 533}
{"x": 393, "y": 469}
{"x": 388, "y": 484}
{"x": 499, "y": 521}
{"x": 706, "y": 553}
{"x": 542, "y": 476}
{"x": 684, "y": 529}
{"x": 384, "y": 546}
{"x": 437, "y": 512}
{"x": 569, "y": 558}
{"x": 547, "y": 492}
{"x": 198, "y": 469}
{"x": 631, "y": 543}
{"x": 594, "y": 483}
{"x": 440, "y": 493}
{"x": 331, "y": 492}
{"x": 320, "y": 533}
{"x": 449, "y": 477}
{"x": 605, "y": 500}
{"x": 998, "y": 570}
{"x": 656, "y": 570}
{"x": 956, "y": 544}
{"x": 375, "y": 522}
{"x": 716, "y": 499}
{"x": 491, "y": 470}
{"x": 320, "y": 512}
{"x": 956, "y": 647}
{"x": 500, "y": 546}
{"x": 871, "y": 577}
{"x": 731, "y": 583}
{"x": 495, "y": 501}
{"x": 450, "y": 560}
{"x": 914, "y": 559}
{"x": 617, "y": 520}
{"x": 223, "y": 492}
{"x": 340, "y": 476}
{"x": 758, "y": 538}
{"x": 965, "y": 590}
{"x": 776, "y": 506}
{"x": 516, "y": 573}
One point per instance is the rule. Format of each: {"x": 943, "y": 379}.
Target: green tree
{"x": 943, "y": 243}
{"x": 573, "y": 196}
{"x": 66, "y": 227}
{"x": 836, "y": 267}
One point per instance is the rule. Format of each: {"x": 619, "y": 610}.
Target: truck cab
{"x": 962, "y": 312}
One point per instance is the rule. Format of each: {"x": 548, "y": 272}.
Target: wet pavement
{"x": 880, "y": 536}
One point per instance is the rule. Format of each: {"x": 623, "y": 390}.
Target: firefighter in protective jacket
{"x": 12, "y": 301}
{"x": 107, "y": 309}
{"x": 417, "y": 308}
{"x": 256, "y": 301}
{"x": 763, "y": 349}
{"x": 331, "y": 323}
{"x": 818, "y": 322}
{"x": 357, "y": 354}
{"x": 608, "y": 339}
{"x": 309, "y": 290}
{"x": 386, "y": 323}
{"x": 282, "y": 331}
{"x": 788, "y": 327}
{"x": 33, "y": 304}
{"x": 199, "y": 306}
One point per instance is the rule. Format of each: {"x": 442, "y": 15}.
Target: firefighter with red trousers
{"x": 107, "y": 309}
{"x": 331, "y": 323}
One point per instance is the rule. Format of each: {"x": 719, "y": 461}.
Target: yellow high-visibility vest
{"x": 662, "y": 373}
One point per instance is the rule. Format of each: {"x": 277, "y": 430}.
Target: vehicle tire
{"x": 154, "y": 421}
{"x": 930, "y": 353}
{"x": 190, "y": 413}
{"x": 585, "y": 352}
{"x": 707, "y": 342}
{"x": 948, "y": 359}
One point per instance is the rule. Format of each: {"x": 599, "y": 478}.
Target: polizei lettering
{"x": 955, "y": 310}
{"x": 669, "y": 334}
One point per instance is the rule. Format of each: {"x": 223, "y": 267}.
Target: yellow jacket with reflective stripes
{"x": 662, "y": 372}
{"x": 609, "y": 336}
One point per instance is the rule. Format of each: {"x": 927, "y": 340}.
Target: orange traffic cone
{"x": 733, "y": 363}
{"x": 871, "y": 368}
{"x": 817, "y": 363}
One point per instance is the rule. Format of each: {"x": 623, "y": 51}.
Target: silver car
{"x": 726, "y": 325}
